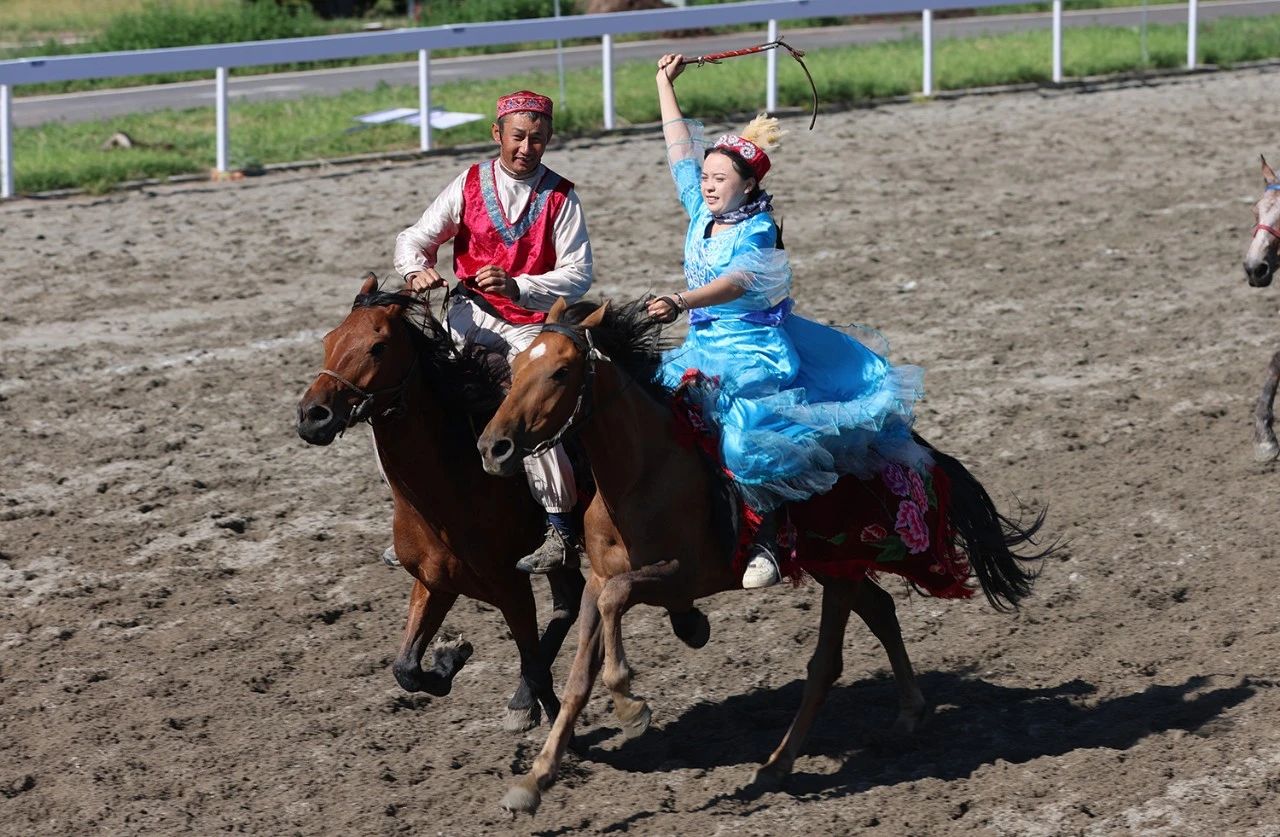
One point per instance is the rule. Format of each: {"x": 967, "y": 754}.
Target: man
{"x": 519, "y": 242}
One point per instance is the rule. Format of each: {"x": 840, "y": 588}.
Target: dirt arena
{"x": 197, "y": 633}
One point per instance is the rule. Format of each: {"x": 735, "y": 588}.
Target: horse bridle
{"x": 1271, "y": 187}
{"x": 582, "y": 408}
{"x": 364, "y": 410}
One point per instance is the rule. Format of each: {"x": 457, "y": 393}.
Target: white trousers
{"x": 550, "y": 474}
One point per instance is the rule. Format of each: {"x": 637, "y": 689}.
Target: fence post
{"x": 424, "y": 100}
{"x": 6, "y": 144}
{"x": 1057, "y": 41}
{"x": 606, "y": 57}
{"x": 771, "y": 71}
{"x": 221, "y": 108}
{"x": 1191, "y": 34}
{"x": 926, "y": 34}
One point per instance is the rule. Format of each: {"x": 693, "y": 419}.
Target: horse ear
{"x": 596, "y": 317}
{"x": 1268, "y": 174}
{"x": 370, "y": 283}
{"x": 557, "y": 310}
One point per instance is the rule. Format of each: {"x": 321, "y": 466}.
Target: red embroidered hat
{"x": 523, "y": 101}
{"x": 747, "y": 150}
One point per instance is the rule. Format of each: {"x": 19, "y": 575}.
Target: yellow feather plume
{"x": 764, "y": 132}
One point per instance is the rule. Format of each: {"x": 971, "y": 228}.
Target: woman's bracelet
{"x": 681, "y": 302}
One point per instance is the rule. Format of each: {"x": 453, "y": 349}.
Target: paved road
{"x": 76, "y": 107}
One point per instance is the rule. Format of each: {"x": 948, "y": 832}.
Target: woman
{"x": 799, "y": 404}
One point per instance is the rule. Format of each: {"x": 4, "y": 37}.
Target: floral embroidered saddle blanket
{"x": 896, "y": 522}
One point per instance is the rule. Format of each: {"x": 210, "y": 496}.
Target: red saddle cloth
{"x": 894, "y": 523}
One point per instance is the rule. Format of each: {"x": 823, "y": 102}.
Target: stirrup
{"x": 762, "y": 570}
{"x": 390, "y": 558}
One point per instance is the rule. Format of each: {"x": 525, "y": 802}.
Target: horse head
{"x": 1260, "y": 261}
{"x": 367, "y": 361}
{"x": 550, "y": 391}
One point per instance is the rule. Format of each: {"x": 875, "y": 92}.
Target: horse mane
{"x": 465, "y": 377}
{"x": 631, "y": 339}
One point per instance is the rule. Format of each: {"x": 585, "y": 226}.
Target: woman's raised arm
{"x": 674, "y": 128}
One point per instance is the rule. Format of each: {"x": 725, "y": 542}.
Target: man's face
{"x": 521, "y": 138}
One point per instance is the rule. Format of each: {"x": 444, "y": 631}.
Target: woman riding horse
{"x": 798, "y": 404}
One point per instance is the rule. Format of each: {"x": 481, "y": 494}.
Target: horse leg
{"x": 427, "y": 610}
{"x": 523, "y": 712}
{"x": 874, "y": 604}
{"x": 647, "y": 585}
{"x": 1265, "y": 447}
{"x": 824, "y": 669}
{"x": 521, "y": 616}
{"x": 526, "y": 794}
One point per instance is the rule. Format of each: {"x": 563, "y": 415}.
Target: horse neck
{"x": 625, "y": 424}
{"x": 443, "y": 482}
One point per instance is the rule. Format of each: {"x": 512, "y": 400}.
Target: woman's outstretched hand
{"x": 670, "y": 66}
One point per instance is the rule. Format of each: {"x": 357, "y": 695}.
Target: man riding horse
{"x": 519, "y": 243}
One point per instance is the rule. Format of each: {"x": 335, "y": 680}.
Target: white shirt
{"x": 416, "y": 247}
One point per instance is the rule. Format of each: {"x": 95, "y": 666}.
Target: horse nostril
{"x": 502, "y": 450}
{"x": 319, "y": 414}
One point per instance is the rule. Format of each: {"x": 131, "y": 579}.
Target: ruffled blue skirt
{"x": 801, "y": 404}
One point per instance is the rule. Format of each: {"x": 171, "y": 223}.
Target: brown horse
{"x": 1259, "y": 269}
{"x": 457, "y": 531}
{"x": 651, "y": 532}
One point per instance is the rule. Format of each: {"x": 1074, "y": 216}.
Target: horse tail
{"x": 989, "y": 538}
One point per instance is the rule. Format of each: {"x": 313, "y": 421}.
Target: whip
{"x": 797, "y": 54}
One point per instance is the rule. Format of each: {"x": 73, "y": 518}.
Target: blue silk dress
{"x": 798, "y": 403}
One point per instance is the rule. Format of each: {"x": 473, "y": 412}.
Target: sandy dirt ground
{"x": 197, "y": 633}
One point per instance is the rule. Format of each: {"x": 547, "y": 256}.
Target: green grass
{"x": 61, "y": 155}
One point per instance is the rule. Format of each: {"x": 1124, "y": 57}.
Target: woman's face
{"x": 723, "y": 188}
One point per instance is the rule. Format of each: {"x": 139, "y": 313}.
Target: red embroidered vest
{"x": 525, "y": 245}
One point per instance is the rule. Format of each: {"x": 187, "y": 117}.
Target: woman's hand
{"x": 670, "y": 66}
{"x": 664, "y": 309}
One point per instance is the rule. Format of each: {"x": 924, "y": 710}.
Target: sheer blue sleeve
{"x": 758, "y": 266}
{"x": 685, "y": 159}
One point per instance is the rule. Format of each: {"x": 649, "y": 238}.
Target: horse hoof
{"x": 770, "y": 777}
{"x": 521, "y": 720}
{"x": 638, "y": 724}
{"x": 692, "y": 628}
{"x": 1266, "y": 451}
{"x": 521, "y": 800}
{"x": 909, "y": 720}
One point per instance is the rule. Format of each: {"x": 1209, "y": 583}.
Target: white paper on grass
{"x": 440, "y": 119}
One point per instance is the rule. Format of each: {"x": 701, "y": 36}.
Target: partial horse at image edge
{"x": 1259, "y": 269}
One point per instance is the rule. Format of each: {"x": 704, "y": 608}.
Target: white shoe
{"x": 762, "y": 571}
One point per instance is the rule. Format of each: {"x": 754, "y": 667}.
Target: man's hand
{"x": 494, "y": 280}
{"x": 425, "y": 279}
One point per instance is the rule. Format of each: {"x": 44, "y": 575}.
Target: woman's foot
{"x": 762, "y": 570}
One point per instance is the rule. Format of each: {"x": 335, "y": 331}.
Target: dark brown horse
{"x": 1259, "y": 269}
{"x": 652, "y": 536}
{"x": 458, "y": 531}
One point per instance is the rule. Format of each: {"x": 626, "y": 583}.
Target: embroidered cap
{"x": 523, "y": 101}
{"x": 747, "y": 150}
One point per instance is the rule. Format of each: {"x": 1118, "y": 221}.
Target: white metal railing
{"x": 222, "y": 58}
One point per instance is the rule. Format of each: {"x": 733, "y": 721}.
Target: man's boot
{"x": 562, "y": 546}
